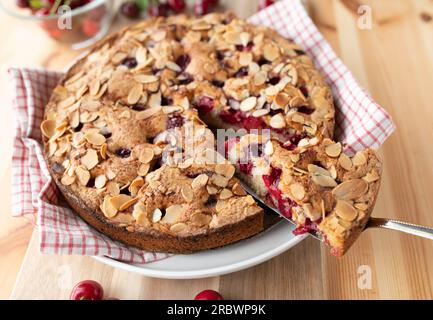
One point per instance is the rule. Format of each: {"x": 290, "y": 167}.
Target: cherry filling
{"x": 238, "y": 117}
{"x": 246, "y": 48}
{"x": 306, "y": 227}
{"x": 305, "y": 110}
{"x": 205, "y": 104}
{"x": 129, "y": 62}
{"x": 175, "y": 121}
{"x": 183, "y": 61}
{"x": 242, "y": 72}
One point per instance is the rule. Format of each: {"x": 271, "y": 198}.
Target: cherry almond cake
{"x": 129, "y": 138}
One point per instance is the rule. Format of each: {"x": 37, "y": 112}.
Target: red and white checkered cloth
{"x": 360, "y": 123}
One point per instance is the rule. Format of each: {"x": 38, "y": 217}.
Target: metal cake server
{"x": 410, "y": 228}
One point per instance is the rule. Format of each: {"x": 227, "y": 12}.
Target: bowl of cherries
{"x": 78, "y": 23}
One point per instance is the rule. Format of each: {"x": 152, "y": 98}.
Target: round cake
{"x": 127, "y": 132}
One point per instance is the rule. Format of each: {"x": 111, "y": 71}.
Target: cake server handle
{"x": 420, "y": 231}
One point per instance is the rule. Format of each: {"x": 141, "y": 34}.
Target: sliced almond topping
{"x": 145, "y": 78}
{"x": 333, "y": 150}
{"x": 108, "y": 209}
{"x": 200, "y": 219}
{"x": 297, "y": 191}
{"x": 171, "y": 109}
{"x": 94, "y": 87}
{"x": 66, "y": 103}
{"x": 260, "y": 78}
{"x": 135, "y": 185}
{"x": 278, "y": 121}
{"x": 143, "y": 169}
{"x": 186, "y": 164}
{"x": 48, "y": 128}
{"x": 361, "y": 206}
{"x": 260, "y": 113}
{"x": 201, "y": 26}
{"x": 316, "y": 170}
{"x": 225, "y": 169}
{"x": 345, "y": 211}
{"x": 272, "y": 90}
{"x": 245, "y": 58}
{"x": 95, "y": 138}
{"x": 226, "y": 194}
{"x": 248, "y": 104}
{"x": 158, "y": 35}
{"x": 311, "y": 213}
{"x": 200, "y": 181}
{"x": 113, "y": 188}
{"x": 142, "y": 115}
{"x": 135, "y": 94}
{"x": 282, "y": 99}
{"x": 219, "y": 180}
{"x": 187, "y": 193}
{"x": 118, "y": 201}
{"x": 211, "y": 189}
{"x": 83, "y": 175}
{"x": 350, "y": 189}
{"x": 298, "y": 118}
{"x": 172, "y": 213}
{"x": 324, "y": 181}
{"x": 345, "y": 162}
{"x": 103, "y": 151}
{"x": 271, "y": 52}
{"x": 146, "y": 155}
{"x": 67, "y": 180}
{"x": 128, "y": 203}
{"x": 156, "y": 215}
{"x": 90, "y": 159}
{"x": 178, "y": 227}
{"x": 173, "y": 66}
{"x": 269, "y": 148}
{"x": 359, "y": 159}
{"x": 238, "y": 190}
{"x": 372, "y": 176}
{"x": 100, "y": 181}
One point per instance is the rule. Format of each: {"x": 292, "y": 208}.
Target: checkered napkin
{"x": 361, "y": 123}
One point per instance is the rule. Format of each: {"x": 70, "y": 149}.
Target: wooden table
{"x": 393, "y": 60}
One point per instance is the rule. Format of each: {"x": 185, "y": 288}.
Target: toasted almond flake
{"x": 158, "y": 35}
{"x": 200, "y": 181}
{"x": 350, "y": 189}
{"x": 361, "y": 206}
{"x": 178, "y": 227}
{"x": 107, "y": 208}
{"x": 282, "y": 99}
{"x": 225, "y": 169}
{"x": 171, "y": 109}
{"x": 100, "y": 181}
{"x": 312, "y": 213}
{"x": 333, "y": 172}
{"x": 293, "y": 75}
{"x": 298, "y": 118}
{"x": 345, "y": 162}
{"x": 211, "y": 189}
{"x": 141, "y": 55}
{"x": 324, "y": 181}
{"x": 90, "y": 159}
{"x": 103, "y": 151}
{"x": 245, "y": 58}
{"x": 95, "y": 138}
{"x": 143, "y": 169}
{"x": 317, "y": 170}
{"x": 260, "y": 78}
{"x": 118, "y": 57}
{"x": 201, "y": 26}
{"x": 272, "y": 90}
{"x": 75, "y": 77}
{"x": 333, "y": 150}
{"x": 66, "y": 103}
{"x": 172, "y": 213}
{"x": 372, "y": 176}
{"x": 186, "y": 164}
{"x": 278, "y": 121}
{"x": 200, "y": 219}
{"x": 245, "y": 38}
{"x": 128, "y": 204}
{"x": 219, "y": 180}
{"x": 113, "y": 188}
{"x": 226, "y": 194}
{"x": 173, "y": 66}
{"x": 86, "y": 117}
{"x": 359, "y": 159}
{"x": 74, "y": 119}
{"x": 48, "y": 128}
{"x": 83, "y": 175}
{"x": 145, "y": 78}
{"x": 269, "y": 148}
{"x": 142, "y": 115}
{"x": 119, "y": 200}
{"x": 156, "y": 215}
{"x": 248, "y": 104}
{"x": 125, "y": 114}
{"x": 260, "y": 113}
{"x": 146, "y": 155}
{"x": 94, "y": 87}
{"x": 238, "y": 190}
{"x": 67, "y": 180}
{"x": 232, "y": 37}
{"x": 271, "y": 52}
{"x": 297, "y": 191}
{"x": 345, "y": 211}
{"x": 135, "y": 94}
{"x": 187, "y": 193}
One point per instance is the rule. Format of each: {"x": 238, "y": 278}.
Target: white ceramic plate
{"x": 231, "y": 258}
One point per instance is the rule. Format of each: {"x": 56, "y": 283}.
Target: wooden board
{"x": 394, "y": 61}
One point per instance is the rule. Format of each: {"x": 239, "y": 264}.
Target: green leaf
{"x": 142, "y": 4}
{"x": 36, "y": 4}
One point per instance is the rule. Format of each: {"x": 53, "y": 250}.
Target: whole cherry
{"x": 22, "y": 3}
{"x": 87, "y": 290}
{"x": 158, "y": 9}
{"x": 177, "y": 5}
{"x": 201, "y": 7}
{"x": 130, "y": 9}
{"x": 209, "y": 295}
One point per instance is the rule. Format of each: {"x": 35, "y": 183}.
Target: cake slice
{"x": 316, "y": 185}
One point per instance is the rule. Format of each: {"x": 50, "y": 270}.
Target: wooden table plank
{"x": 394, "y": 61}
